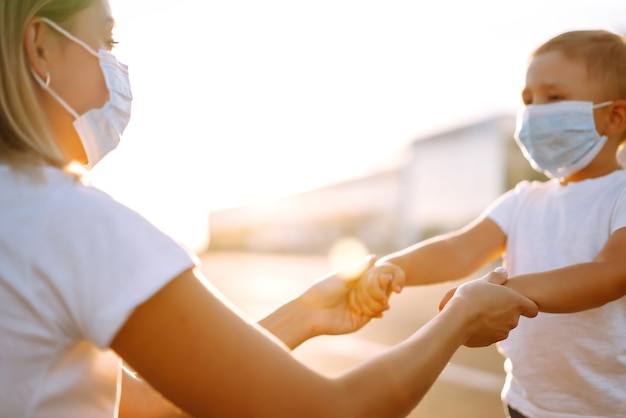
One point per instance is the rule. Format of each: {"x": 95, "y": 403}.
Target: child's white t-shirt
{"x": 74, "y": 264}
{"x": 564, "y": 365}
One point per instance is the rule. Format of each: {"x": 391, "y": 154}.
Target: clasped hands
{"x": 345, "y": 301}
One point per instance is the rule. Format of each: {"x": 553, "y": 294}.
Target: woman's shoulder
{"x": 45, "y": 185}
{"x": 78, "y": 205}
{"x": 74, "y": 201}
{"x": 57, "y": 200}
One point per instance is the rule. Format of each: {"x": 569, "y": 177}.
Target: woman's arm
{"x": 195, "y": 350}
{"x": 140, "y": 400}
{"x": 324, "y": 308}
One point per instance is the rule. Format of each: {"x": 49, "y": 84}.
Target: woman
{"x": 81, "y": 274}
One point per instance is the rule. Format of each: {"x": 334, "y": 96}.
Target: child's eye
{"x": 555, "y": 98}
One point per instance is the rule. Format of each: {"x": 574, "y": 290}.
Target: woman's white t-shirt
{"x": 74, "y": 264}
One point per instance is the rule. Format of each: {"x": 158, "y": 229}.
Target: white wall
{"x": 452, "y": 177}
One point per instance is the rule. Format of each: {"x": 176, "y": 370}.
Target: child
{"x": 563, "y": 241}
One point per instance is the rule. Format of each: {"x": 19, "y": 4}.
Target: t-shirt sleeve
{"x": 618, "y": 218}
{"x": 109, "y": 260}
{"x": 502, "y": 209}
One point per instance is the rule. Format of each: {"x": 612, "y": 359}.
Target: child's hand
{"x": 370, "y": 295}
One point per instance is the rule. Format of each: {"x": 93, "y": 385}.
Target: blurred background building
{"x": 442, "y": 182}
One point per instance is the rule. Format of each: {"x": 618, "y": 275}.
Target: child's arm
{"x": 451, "y": 256}
{"x": 577, "y": 287}
{"x": 447, "y": 257}
{"x": 580, "y": 286}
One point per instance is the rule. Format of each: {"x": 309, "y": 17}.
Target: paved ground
{"x": 468, "y": 388}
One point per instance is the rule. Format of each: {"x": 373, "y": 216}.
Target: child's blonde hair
{"x": 603, "y": 52}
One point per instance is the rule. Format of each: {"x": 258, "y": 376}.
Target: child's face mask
{"x": 559, "y": 139}
{"x": 99, "y": 129}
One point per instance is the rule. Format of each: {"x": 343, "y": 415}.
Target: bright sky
{"x": 244, "y": 100}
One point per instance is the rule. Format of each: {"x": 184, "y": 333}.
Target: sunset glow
{"x": 238, "y": 102}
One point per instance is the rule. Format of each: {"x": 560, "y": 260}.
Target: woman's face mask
{"x": 559, "y": 139}
{"x": 100, "y": 129}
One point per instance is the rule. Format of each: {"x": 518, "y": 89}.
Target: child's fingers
{"x": 398, "y": 279}
{"x": 355, "y": 306}
{"x": 370, "y": 306}
{"x": 377, "y": 285}
{"x": 369, "y": 299}
{"x": 371, "y": 295}
{"x": 365, "y": 303}
{"x": 376, "y": 297}
{"x": 384, "y": 281}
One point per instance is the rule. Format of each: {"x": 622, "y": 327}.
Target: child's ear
{"x": 616, "y": 123}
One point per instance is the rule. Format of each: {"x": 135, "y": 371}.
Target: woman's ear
{"x": 36, "y": 47}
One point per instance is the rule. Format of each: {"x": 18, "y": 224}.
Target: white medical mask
{"x": 99, "y": 129}
{"x": 559, "y": 139}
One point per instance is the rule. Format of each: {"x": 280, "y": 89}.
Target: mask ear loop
{"x": 46, "y": 86}
{"x": 603, "y": 104}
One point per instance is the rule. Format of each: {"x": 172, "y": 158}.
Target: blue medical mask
{"x": 100, "y": 129}
{"x": 559, "y": 139}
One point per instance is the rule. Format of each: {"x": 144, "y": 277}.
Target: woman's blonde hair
{"x": 25, "y": 136}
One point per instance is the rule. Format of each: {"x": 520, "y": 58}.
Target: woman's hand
{"x": 493, "y": 308}
{"x": 344, "y": 301}
{"x": 339, "y": 303}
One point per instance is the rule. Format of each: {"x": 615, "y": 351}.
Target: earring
{"x": 47, "y": 78}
